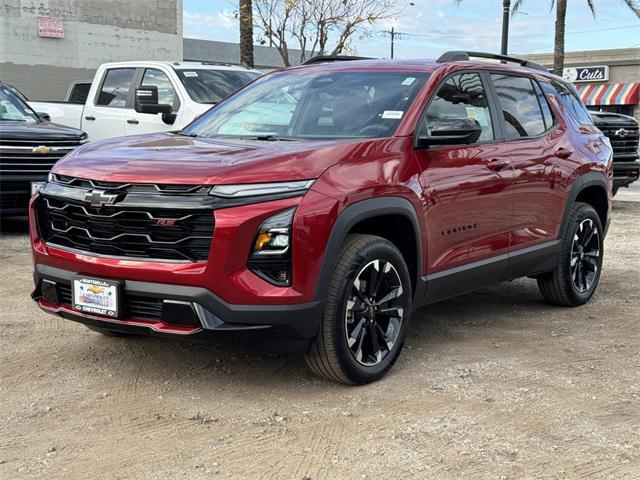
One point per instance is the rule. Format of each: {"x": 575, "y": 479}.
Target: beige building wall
{"x": 624, "y": 64}
{"x": 95, "y": 32}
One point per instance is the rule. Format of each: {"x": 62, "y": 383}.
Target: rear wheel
{"x": 575, "y": 279}
{"x": 367, "y": 311}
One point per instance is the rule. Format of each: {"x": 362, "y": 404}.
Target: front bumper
{"x": 625, "y": 173}
{"x": 186, "y": 311}
{"x": 15, "y": 193}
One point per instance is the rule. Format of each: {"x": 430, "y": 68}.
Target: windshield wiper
{"x": 271, "y": 138}
{"x": 187, "y": 134}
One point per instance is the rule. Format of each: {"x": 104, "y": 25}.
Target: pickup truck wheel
{"x": 109, "y": 333}
{"x": 576, "y": 276}
{"x": 367, "y": 311}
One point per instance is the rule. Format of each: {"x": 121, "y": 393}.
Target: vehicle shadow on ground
{"x": 201, "y": 366}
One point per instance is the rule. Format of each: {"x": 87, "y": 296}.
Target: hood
{"x": 38, "y": 131}
{"x": 174, "y": 159}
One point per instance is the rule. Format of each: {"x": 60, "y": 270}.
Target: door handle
{"x": 133, "y": 122}
{"x": 497, "y": 164}
{"x": 563, "y": 152}
{"x": 89, "y": 117}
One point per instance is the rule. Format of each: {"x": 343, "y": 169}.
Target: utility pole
{"x": 393, "y": 33}
{"x": 506, "y": 11}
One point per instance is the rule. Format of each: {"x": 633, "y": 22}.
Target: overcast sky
{"x": 434, "y": 26}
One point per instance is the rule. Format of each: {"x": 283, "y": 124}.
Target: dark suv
{"x": 319, "y": 206}
{"x": 29, "y": 146}
{"x": 624, "y": 134}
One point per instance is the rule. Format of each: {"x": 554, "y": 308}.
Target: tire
{"x": 344, "y": 349}
{"x": 109, "y": 333}
{"x": 576, "y": 277}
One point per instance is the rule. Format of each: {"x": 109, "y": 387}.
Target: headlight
{"x": 270, "y": 257}
{"x": 253, "y": 189}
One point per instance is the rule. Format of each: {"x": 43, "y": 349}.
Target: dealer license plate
{"x": 94, "y": 295}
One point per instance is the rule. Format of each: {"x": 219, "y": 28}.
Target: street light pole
{"x": 506, "y": 11}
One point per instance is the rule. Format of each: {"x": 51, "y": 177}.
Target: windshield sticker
{"x": 190, "y": 74}
{"x": 478, "y": 114}
{"x": 394, "y": 114}
{"x": 408, "y": 81}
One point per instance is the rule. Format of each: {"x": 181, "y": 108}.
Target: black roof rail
{"x": 462, "y": 56}
{"x": 332, "y": 58}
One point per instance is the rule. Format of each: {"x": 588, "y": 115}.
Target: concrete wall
{"x": 226, "y": 52}
{"x": 96, "y": 31}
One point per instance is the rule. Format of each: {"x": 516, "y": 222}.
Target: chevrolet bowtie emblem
{"x": 621, "y": 132}
{"x": 100, "y": 198}
{"x": 41, "y": 149}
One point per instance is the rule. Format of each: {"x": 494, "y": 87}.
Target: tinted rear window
{"x": 571, "y": 102}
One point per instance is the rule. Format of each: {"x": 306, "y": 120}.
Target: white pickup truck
{"x": 112, "y": 109}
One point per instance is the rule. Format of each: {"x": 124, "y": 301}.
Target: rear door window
{"x": 520, "y": 106}
{"x": 544, "y": 105}
{"x": 115, "y": 87}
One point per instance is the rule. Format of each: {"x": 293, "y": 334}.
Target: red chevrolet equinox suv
{"x": 316, "y": 208}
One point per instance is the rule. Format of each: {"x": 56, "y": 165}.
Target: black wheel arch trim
{"x": 584, "y": 181}
{"x": 364, "y": 210}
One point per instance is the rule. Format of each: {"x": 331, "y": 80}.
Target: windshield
{"x": 211, "y": 86}
{"x": 13, "y": 108}
{"x": 317, "y": 105}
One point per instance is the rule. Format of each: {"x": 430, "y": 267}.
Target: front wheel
{"x": 575, "y": 279}
{"x": 367, "y": 311}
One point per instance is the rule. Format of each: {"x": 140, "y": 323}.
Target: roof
{"x": 422, "y": 65}
{"x": 179, "y": 65}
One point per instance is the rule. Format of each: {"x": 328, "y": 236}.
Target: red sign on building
{"x": 50, "y": 27}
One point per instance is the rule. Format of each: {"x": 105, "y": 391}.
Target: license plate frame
{"x": 96, "y": 296}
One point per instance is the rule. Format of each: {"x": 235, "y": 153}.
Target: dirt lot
{"x": 492, "y": 385}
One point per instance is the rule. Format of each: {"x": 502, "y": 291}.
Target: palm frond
{"x": 516, "y": 7}
{"x": 592, "y": 7}
{"x": 635, "y": 7}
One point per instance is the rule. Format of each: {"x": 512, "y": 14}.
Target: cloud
{"x": 224, "y": 19}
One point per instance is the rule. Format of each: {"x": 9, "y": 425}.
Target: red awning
{"x": 609, "y": 93}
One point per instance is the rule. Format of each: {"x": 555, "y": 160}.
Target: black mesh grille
{"x": 143, "y": 308}
{"x": 154, "y": 233}
{"x": 623, "y": 137}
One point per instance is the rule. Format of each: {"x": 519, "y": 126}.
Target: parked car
{"x": 359, "y": 191}
{"x": 29, "y": 146}
{"x": 623, "y": 132}
{"x": 109, "y": 108}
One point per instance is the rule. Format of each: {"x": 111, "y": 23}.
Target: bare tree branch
{"x": 315, "y": 24}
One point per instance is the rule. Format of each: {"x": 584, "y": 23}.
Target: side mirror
{"x": 146, "y": 101}
{"x": 455, "y": 131}
{"x": 44, "y": 116}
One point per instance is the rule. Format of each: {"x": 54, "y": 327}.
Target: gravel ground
{"x": 495, "y": 384}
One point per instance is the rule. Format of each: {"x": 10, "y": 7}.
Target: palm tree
{"x": 246, "y": 32}
{"x": 561, "y": 14}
